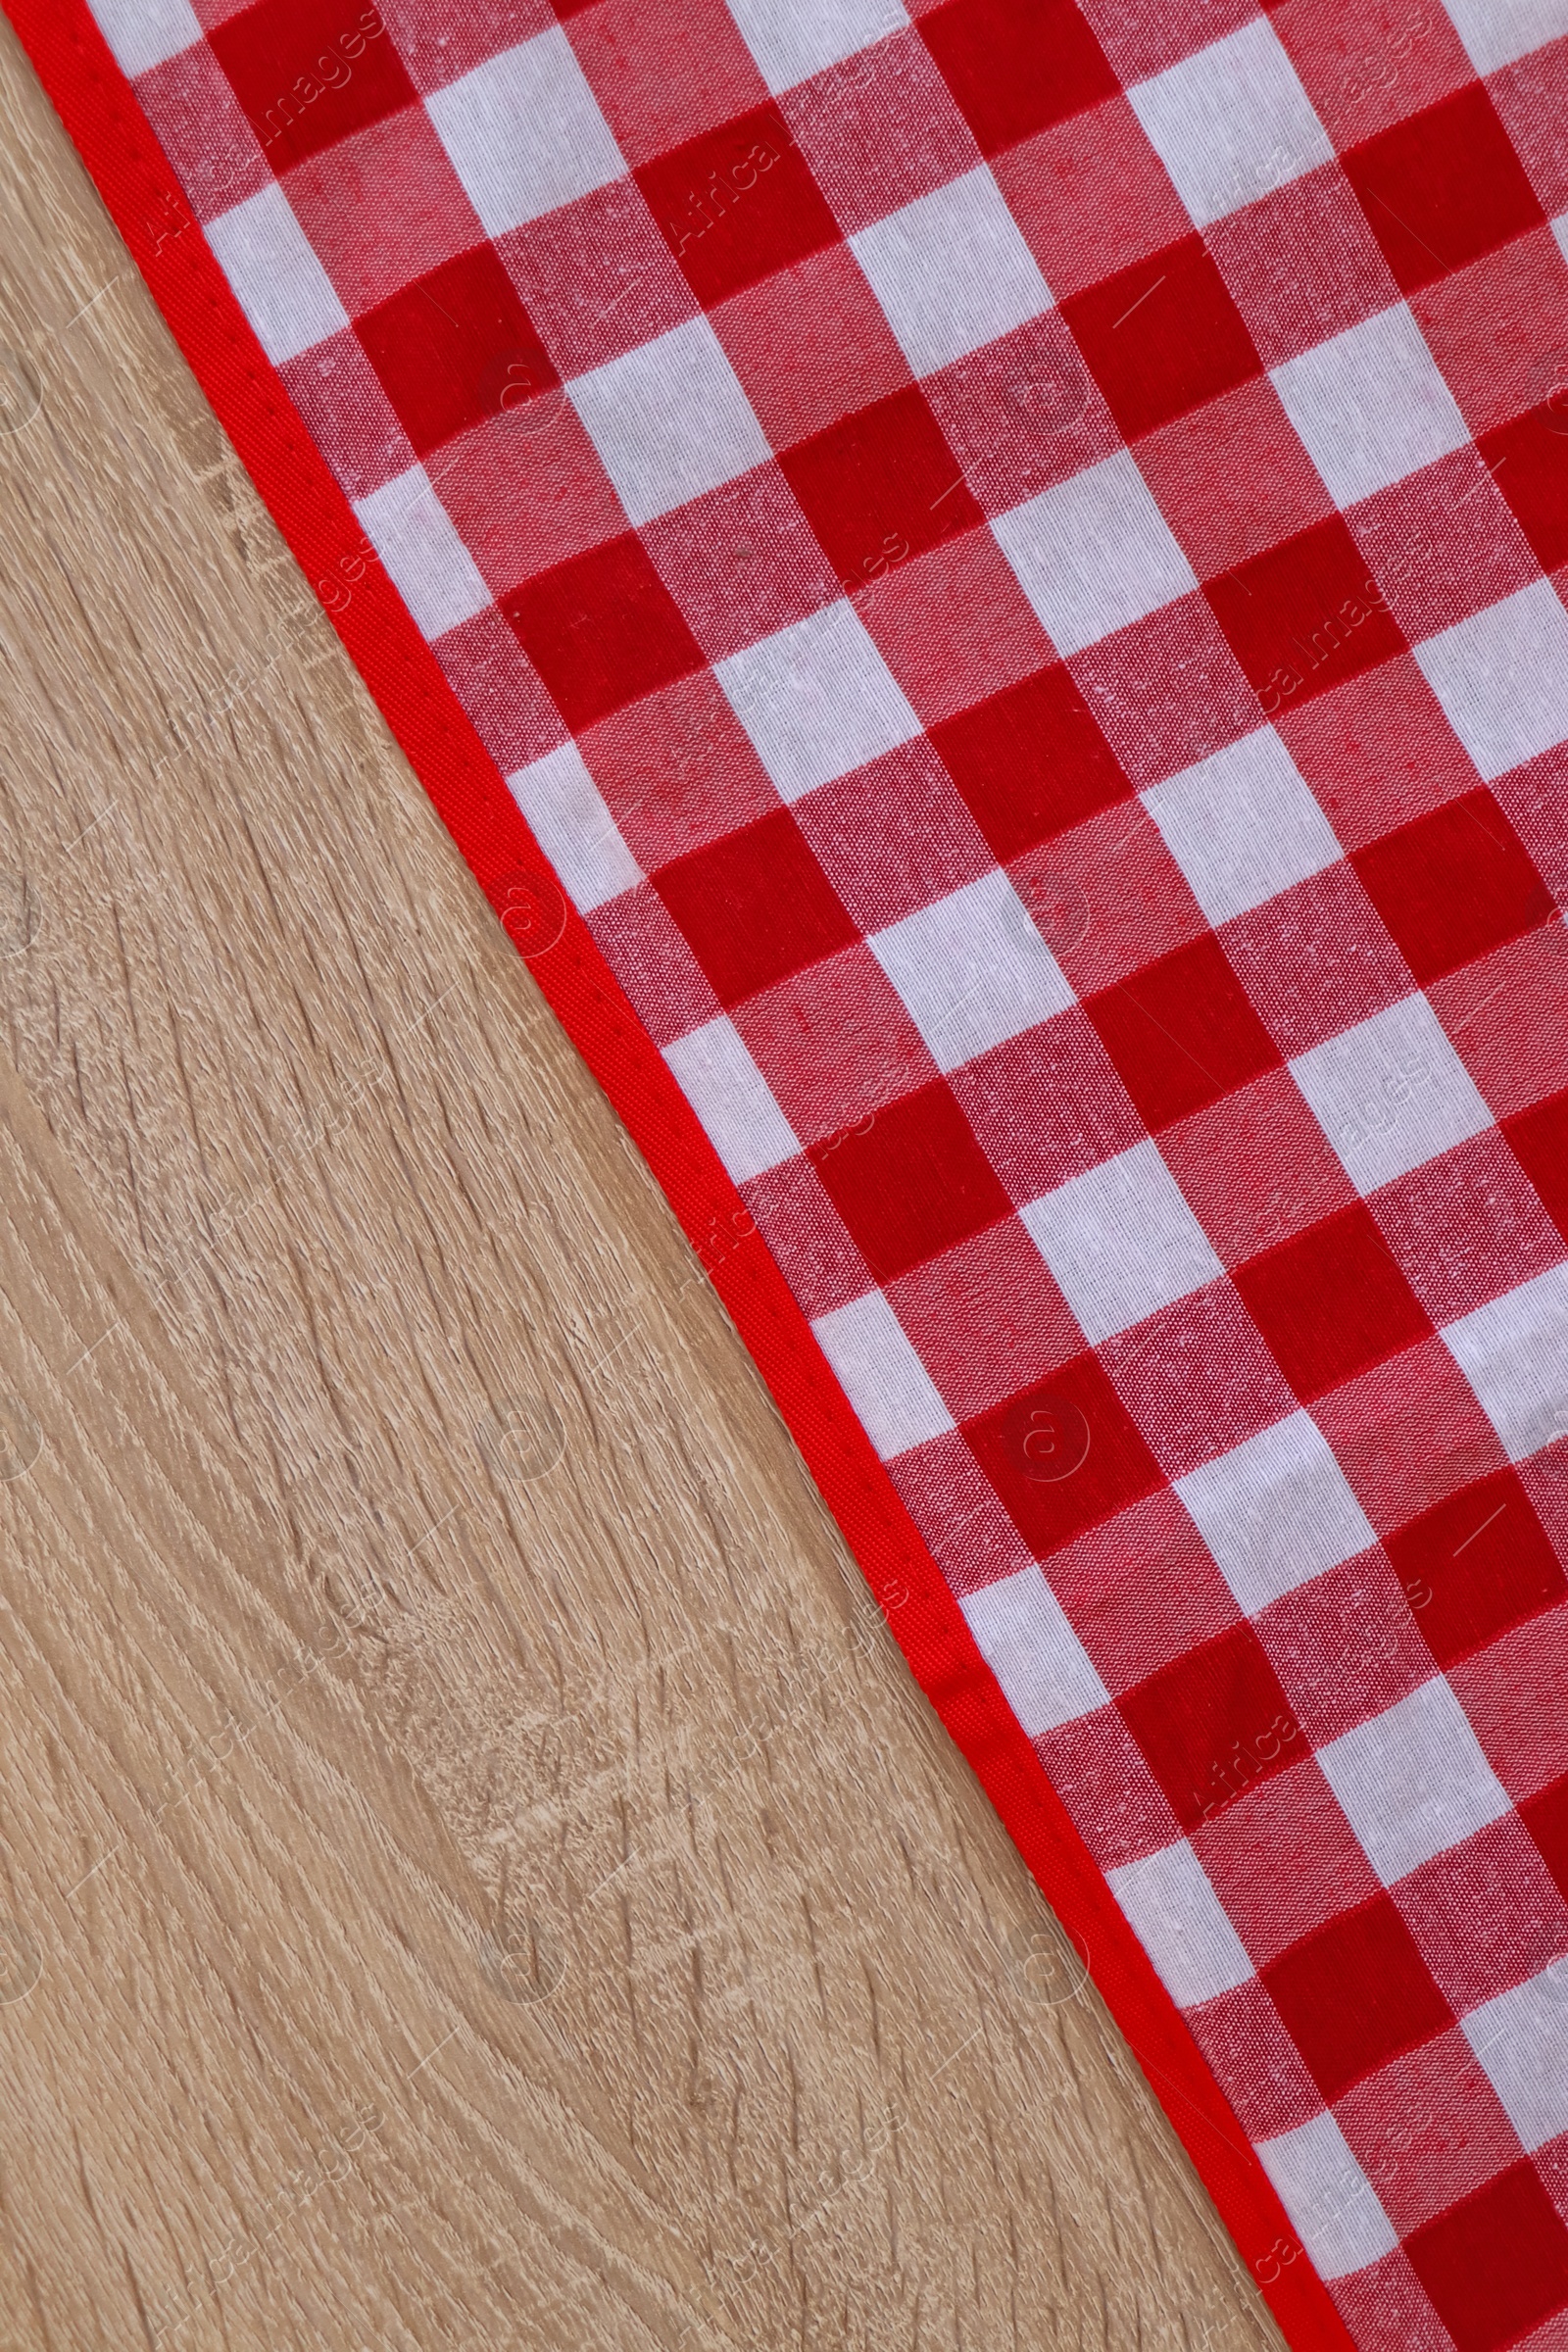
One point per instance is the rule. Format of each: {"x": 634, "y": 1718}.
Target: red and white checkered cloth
{"x": 1013, "y": 555}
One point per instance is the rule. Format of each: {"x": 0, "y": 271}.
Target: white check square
{"x": 425, "y": 560}
{"x": 1094, "y": 554}
{"x": 1370, "y": 404}
{"x": 576, "y": 832}
{"x": 1243, "y": 825}
{"x": 1121, "y": 1242}
{"x": 793, "y": 39}
{"x": 952, "y": 272}
{"x": 817, "y": 699}
{"x": 893, "y": 1395}
{"x": 972, "y": 971}
{"x": 1276, "y": 1511}
{"x": 1021, "y": 1631}
{"x": 143, "y": 33}
{"x": 1231, "y": 122}
{"x": 1182, "y": 1925}
{"x": 1333, "y": 2207}
{"x": 1501, "y": 677}
{"x": 524, "y": 132}
{"x": 1521, "y": 2039}
{"x": 670, "y": 421}
{"x": 730, "y": 1096}
{"x": 1414, "y": 1781}
{"x": 1497, "y": 32}
{"x": 1391, "y": 1094}
{"x": 277, "y": 281}
{"x": 1514, "y": 1353}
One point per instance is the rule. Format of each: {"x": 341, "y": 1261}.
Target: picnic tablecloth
{"x": 982, "y": 583}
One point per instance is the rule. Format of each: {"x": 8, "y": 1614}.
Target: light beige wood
{"x": 476, "y": 1870}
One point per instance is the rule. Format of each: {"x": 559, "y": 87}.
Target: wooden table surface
{"x": 477, "y": 1871}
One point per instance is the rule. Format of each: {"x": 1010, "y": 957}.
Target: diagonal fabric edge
{"x": 142, "y": 192}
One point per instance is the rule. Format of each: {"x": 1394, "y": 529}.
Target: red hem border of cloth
{"x": 99, "y": 110}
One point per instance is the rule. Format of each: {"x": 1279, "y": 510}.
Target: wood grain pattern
{"x": 476, "y": 1870}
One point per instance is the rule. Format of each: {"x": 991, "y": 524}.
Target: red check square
{"x": 663, "y": 70}
{"x": 1142, "y": 1590}
{"x": 1355, "y": 1993}
{"x": 1475, "y": 1564}
{"x": 309, "y": 71}
{"x": 822, "y": 305}
{"x": 1091, "y": 195}
{"x": 737, "y": 203}
{"x": 1266, "y": 1126}
{"x": 921, "y": 615}
{"x": 1182, "y": 1032}
{"x": 1232, "y": 480}
{"x": 340, "y": 195}
{"x": 1376, "y": 751}
{"x": 1442, "y": 187}
{"x": 1162, "y": 337}
{"x": 1530, "y": 460}
{"x": 1379, "y": 1424}
{"x": 454, "y": 348}
{"x": 1028, "y": 1333}
{"x": 836, "y": 1045}
{"x": 1506, "y": 1693}
{"x": 603, "y": 630}
{"x": 1494, "y": 328}
{"x": 1427, "y": 2129}
{"x": 1030, "y": 762}
{"x": 912, "y": 1182}
{"x": 1497, "y": 2263}
{"x": 1539, "y": 1137}
{"x": 880, "y": 486}
{"x": 1453, "y": 885}
{"x": 1289, "y": 1816}
{"x": 677, "y": 772}
{"x": 1214, "y": 1725}
{"x": 1305, "y": 617}
{"x": 1015, "y": 66}
{"x": 1115, "y": 1469}
{"x": 754, "y": 906}
{"x": 1331, "y": 1301}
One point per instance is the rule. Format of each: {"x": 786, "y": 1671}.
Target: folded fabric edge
{"x": 142, "y": 193}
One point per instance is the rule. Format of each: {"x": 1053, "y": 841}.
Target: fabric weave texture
{"x": 1014, "y": 557}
